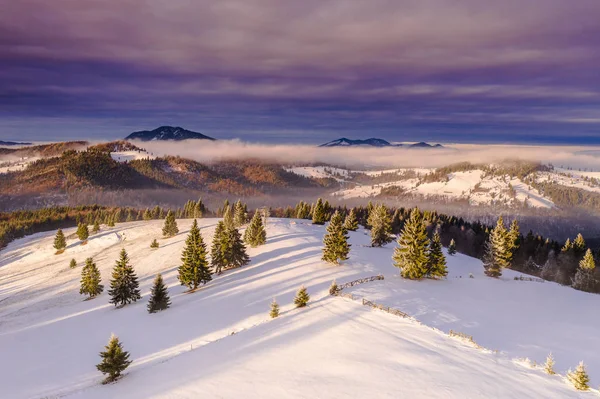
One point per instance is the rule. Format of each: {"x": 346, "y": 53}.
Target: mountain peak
{"x": 375, "y": 142}
{"x": 175, "y": 133}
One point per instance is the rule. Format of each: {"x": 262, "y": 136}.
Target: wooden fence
{"x": 359, "y": 281}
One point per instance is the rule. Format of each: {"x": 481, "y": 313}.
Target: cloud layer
{"x": 431, "y": 68}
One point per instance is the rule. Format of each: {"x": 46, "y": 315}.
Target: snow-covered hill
{"x": 220, "y": 342}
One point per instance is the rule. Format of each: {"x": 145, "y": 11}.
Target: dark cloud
{"x": 425, "y": 69}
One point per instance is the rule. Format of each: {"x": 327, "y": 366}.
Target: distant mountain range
{"x": 167, "y": 133}
{"x": 12, "y": 143}
{"x": 375, "y": 142}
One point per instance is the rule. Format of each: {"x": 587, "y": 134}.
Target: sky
{"x": 515, "y": 71}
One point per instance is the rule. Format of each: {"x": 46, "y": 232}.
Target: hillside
{"x": 335, "y": 347}
{"x": 167, "y": 133}
{"x": 375, "y": 142}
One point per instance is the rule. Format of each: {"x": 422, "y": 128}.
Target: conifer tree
{"x": 380, "y": 222}
{"x": 60, "y": 243}
{"x": 194, "y": 269}
{"x": 96, "y": 227}
{"x": 568, "y": 246}
{"x": 217, "y": 258}
{"x": 225, "y": 206}
{"x": 83, "y": 233}
{"x": 498, "y": 253}
{"x": 129, "y": 216}
{"x": 549, "y": 365}
{"x": 491, "y": 266}
{"x": 228, "y": 217}
{"x": 584, "y": 277}
{"x": 114, "y": 360}
{"x": 318, "y": 214}
{"x": 436, "y": 266}
{"x": 351, "y": 223}
{"x": 111, "y": 221}
{"x": 239, "y": 214}
{"x": 513, "y": 239}
{"x": 452, "y": 247}
{"x": 336, "y": 247}
{"x": 170, "y": 228}
{"x": 302, "y": 298}
{"x": 274, "y": 309}
{"x": 199, "y": 209}
{"x": 159, "y": 296}
{"x": 411, "y": 254}
{"x": 73, "y": 263}
{"x": 255, "y": 234}
{"x": 124, "y": 286}
{"x": 579, "y": 244}
{"x": 90, "y": 280}
{"x": 333, "y": 288}
{"x": 154, "y": 244}
{"x": 579, "y": 378}
{"x": 147, "y": 214}
{"x": 234, "y": 252}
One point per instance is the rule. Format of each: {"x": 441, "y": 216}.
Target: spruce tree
{"x": 114, "y": 360}
{"x": 194, "y": 269}
{"x": 199, "y": 209}
{"x": 111, "y": 221}
{"x": 154, "y": 244}
{"x": 336, "y": 247}
{"x": 255, "y": 234}
{"x": 73, "y": 263}
{"x": 90, "y": 280}
{"x": 579, "y": 245}
{"x": 513, "y": 240}
{"x": 351, "y": 223}
{"x": 96, "y": 227}
{"x": 549, "y": 365}
{"x": 83, "y": 232}
{"x": 239, "y": 214}
{"x": 60, "y": 243}
{"x": 584, "y": 277}
{"x": 217, "y": 258}
{"x": 228, "y": 217}
{"x": 234, "y": 253}
{"x": 498, "y": 252}
{"x": 302, "y": 298}
{"x": 318, "y": 214}
{"x": 491, "y": 266}
{"x": 147, "y": 214}
{"x": 170, "y": 228}
{"x": 274, "y": 309}
{"x": 436, "y": 266}
{"x": 579, "y": 378}
{"x": 333, "y": 288}
{"x": 159, "y": 296}
{"x": 411, "y": 254}
{"x": 380, "y": 222}
{"x": 124, "y": 284}
{"x": 452, "y": 247}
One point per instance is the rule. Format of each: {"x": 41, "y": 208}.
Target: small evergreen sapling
{"x": 274, "y": 309}
{"x": 73, "y": 263}
{"x": 60, "y": 243}
{"x": 170, "y": 228}
{"x": 90, "y": 280}
{"x": 159, "y": 296}
{"x": 579, "y": 378}
{"x": 336, "y": 247}
{"x": 333, "y": 288}
{"x": 114, "y": 360}
{"x": 452, "y": 247}
{"x": 96, "y": 227}
{"x": 154, "y": 244}
{"x": 549, "y": 365}
{"x": 124, "y": 286}
{"x": 302, "y": 297}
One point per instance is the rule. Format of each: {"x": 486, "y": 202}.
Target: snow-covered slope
{"x": 220, "y": 342}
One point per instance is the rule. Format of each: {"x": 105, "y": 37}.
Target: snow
{"x": 320, "y": 172}
{"x": 220, "y": 342}
{"x": 124, "y": 156}
{"x": 12, "y": 165}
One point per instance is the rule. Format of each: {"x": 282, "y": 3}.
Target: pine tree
{"x": 498, "y": 253}
{"x": 147, "y": 214}
{"x": 170, "y": 228}
{"x": 549, "y": 365}
{"x": 111, "y": 221}
{"x": 124, "y": 284}
{"x": 199, "y": 209}
{"x": 217, "y": 258}
{"x": 90, "y": 280}
{"x": 436, "y": 266}
{"x": 83, "y": 233}
{"x": 239, "y": 214}
{"x": 579, "y": 378}
{"x": 492, "y": 269}
{"x": 318, "y": 214}
{"x": 154, "y": 244}
{"x": 351, "y": 223}
{"x": 159, "y": 296}
{"x": 255, "y": 234}
{"x": 380, "y": 222}
{"x": 114, "y": 360}
{"x": 96, "y": 227}
{"x": 411, "y": 254}
{"x": 579, "y": 244}
{"x": 194, "y": 269}
{"x": 302, "y": 298}
{"x": 60, "y": 243}
{"x": 336, "y": 247}
{"x": 234, "y": 253}
{"x": 568, "y": 246}
{"x": 333, "y": 288}
{"x": 73, "y": 263}
{"x": 513, "y": 240}
{"x": 584, "y": 277}
{"x": 452, "y": 247}
{"x": 274, "y": 309}
{"x": 228, "y": 218}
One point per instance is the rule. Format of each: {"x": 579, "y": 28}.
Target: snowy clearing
{"x": 334, "y": 348}
{"x": 125, "y": 156}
